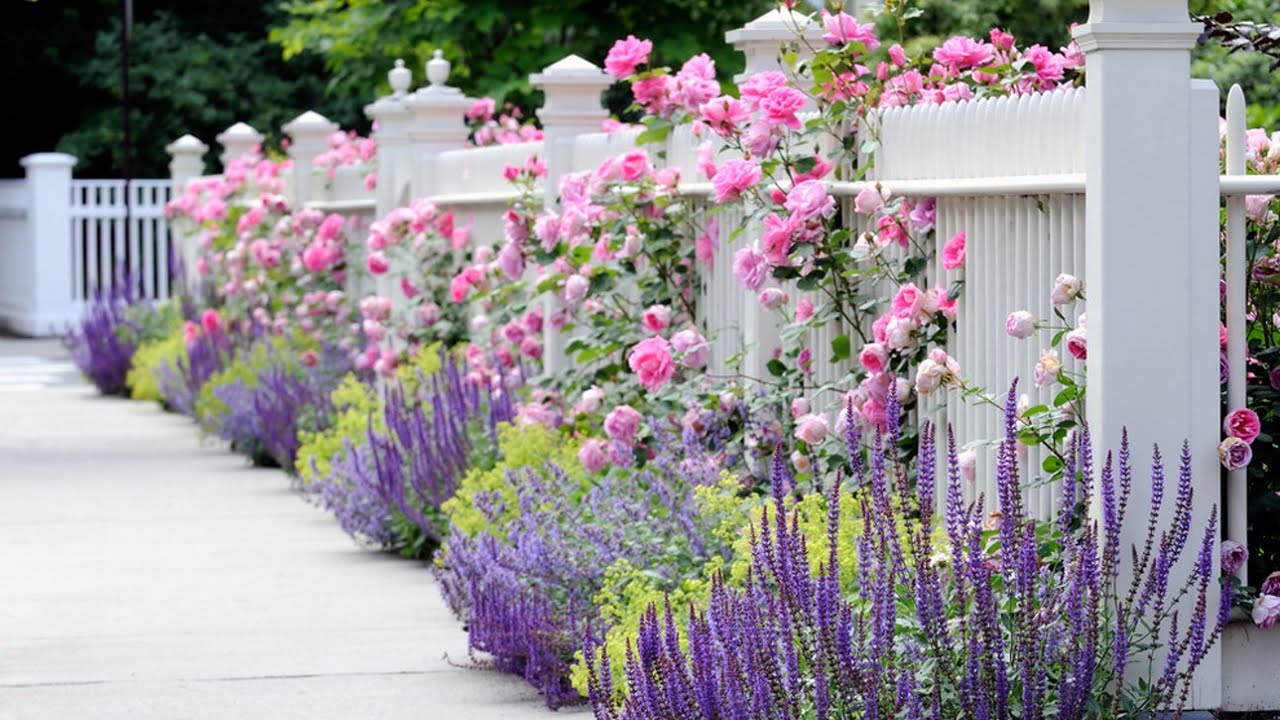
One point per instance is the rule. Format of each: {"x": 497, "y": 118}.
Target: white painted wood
{"x": 1237, "y": 326}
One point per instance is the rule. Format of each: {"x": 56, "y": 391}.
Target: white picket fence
{"x": 61, "y": 239}
{"x": 1115, "y": 185}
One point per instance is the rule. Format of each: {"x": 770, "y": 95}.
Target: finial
{"x": 438, "y": 69}
{"x": 400, "y": 78}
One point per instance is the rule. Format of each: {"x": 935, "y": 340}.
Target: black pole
{"x": 126, "y": 169}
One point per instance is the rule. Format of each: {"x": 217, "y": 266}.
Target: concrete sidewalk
{"x": 145, "y": 576}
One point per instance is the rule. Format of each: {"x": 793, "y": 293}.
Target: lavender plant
{"x": 527, "y": 589}
{"x": 102, "y": 343}
{"x": 181, "y": 378}
{"x": 1016, "y": 619}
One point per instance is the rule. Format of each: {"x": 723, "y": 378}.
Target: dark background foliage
{"x": 199, "y": 67}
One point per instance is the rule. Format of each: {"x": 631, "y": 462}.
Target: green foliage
{"x": 183, "y": 80}
{"x": 494, "y": 45}
{"x": 519, "y": 447}
{"x": 1040, "y": 21}
{"x": 151, "y": 355}
{"x": 1248, "y": 69}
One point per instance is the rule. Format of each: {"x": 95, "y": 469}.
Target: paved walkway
{"x": 145, "y": 576}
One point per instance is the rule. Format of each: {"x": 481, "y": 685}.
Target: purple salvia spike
{"x": 926, "y": 465}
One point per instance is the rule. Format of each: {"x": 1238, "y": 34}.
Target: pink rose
{"x": 1271, "y": 585}
{"x": 1049, "y": 67}
{"x": 592, "y": 456}
{"x": 1020, "y": 324}
{"x": 968, "y": 462}
{"x": 723, "y": 115}
{"x": 842, "y": 28}
{"x": 575, "y": 288}
{"x": 1242, "y": 423}
{"x": 897, "y": 55}
{"x": 530, "y": 347}
{"x": 377, "y": 263}
{"x": 810, "y": 200}
{"x": 750, "y": 267}
{"x": 804, "y": 310}
{"x": 1235, "y": 453}
{"x": 622, "y": 423}
{"x": 781, "y": 106}
{"x": 1047, "y": 369}
{"x": 873, "y": 357}
{"x": 799, "y": 406}
{"x": 777, "y": 237}
{"x": 1234, "y": 556}
{"x": 811, "y": 429}
{"x": 1256, "y": 207}
{"x": 692, "y": 347}
{"x": 1077, "y": 344}
{"x": 734, "y": 177}
{"x": 1065, "y": 289}
{"x": 210, "y": 321}
{"x": 634, "y": 164}
{"x": 651, "y": 362}
{"x": 906, "y": 303}
{"x": 625, "y": 55}
{"x": 868, "y": 201}
{"x": 962, "y": 53}
{"x": 591, "y": 400}
{"x": 953, "y": 252}
{"x": 656, "y": 318}
{"x": 773, "y": 298}
{"x": 1266, "y": 611}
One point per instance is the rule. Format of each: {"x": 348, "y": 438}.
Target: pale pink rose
{"x": 1235, "y": 453}
{"x": 873, "y": 411}
{"x": 482, "y": 109}
{"x": 1020, "y": 324}
{"x": 511, "y": 261}
{"x": 656, "y": 318}
{"x": 622, "y": 423}
{"x": 429, "y": 314}
{"x": 800, "y": 461}
{"x": 575, "y": 288}
{"x": 592, "y": 456}
{"x": 962, "y": 53}
{"x": 868, "y": 201}
{"x": 733, "y": 178}
{"x": 968, "y": 462}
{"x": 842, "y": 28}
{"x": 773, "y": 298}
{"x": 1047, "y": 369}
{"x": 1266, "y": 611}
{"x": 897, "y": 55}
{"x": 634, "y": 164}
{"x": 651, "y": 362}
{"x": 811, "y": 429}
{"x": 1242, "y": 423}
{"x": 799, "y": 406}
{"x": 1078, "y": 344}
{"x": 873, "y": 357}
{"x": 692, "y": 347}
{"x": 592, "y": 399}
{"x": 1257, "y": 207}
{"x": 897, "y": 333}
{"x": 953, "y": 252}
{"x": 1271, "y": 585}
{"x": 810, "y": 200}
{"x": 537, "y": 413}
{"x": 1234, "y": 556}
{"x": 1065, "y": 289}
{"x": 804, "y": 309}
{"x": 625, "y": 55}
{"x": 750, "y": 268}
{"x": 929, "y": 376}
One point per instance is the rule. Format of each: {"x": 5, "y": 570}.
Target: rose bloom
{"x": 811, "y": 428}
{"x": 1235, "y": 453}
{"x": 211, "y": 322}
{"x": 810, "y": 200}
{"x": 907, "y": 301}
{"x": 1271, "y": 585}
{"x": 734, "y": 177}
{"x": 968, "y": 462}
{"x": 651, "y": 362}
{"x": 622, "y": 423}
{"x": 804, "y": 310}
{"x": 873, "y": 357}
{"x": 1046, "y": 372}
{"x": 1020, "y": 324}
{"x": 692, "y": 346}
{"x": 750, "y": 268}
{"x": 1065, "y": 289}
{"x": 1266, "y": 611}
{"x": 800, "y": 461}
{"x": 592, "y": 397}
{"x": 953, "y": 252}
{"x": 634, "y": 164}
{"x": 1242, "y": 423}
{"x": 1234, "y": 556}
{"x": 656, "y": 318}
{"x": 575, "y": 288}
{"x": 592, "y": 456}
{"x": 868, "y": 201}
{"x": 799, "y": 406}
{"x": 773, "y": 298}
{"x": 625, "y": 55}
{"x": 1077, "y": 344}
{"x": 963, "y": 52}
{"x": 929, "y": 376}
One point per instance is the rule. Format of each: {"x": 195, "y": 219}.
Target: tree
{"x": 495, "y": 45}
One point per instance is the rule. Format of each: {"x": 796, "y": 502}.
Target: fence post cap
{"x": 399, "y": 77}
{"x": 571, "y": 70}
{"x": 239, "y": 131}
{"x": 775, "y": 25}
{"x": 186, "y": 145}
{"x": 48, "y": 160}
{"x": 310, "y": 122}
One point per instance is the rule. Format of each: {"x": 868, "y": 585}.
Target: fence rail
{"x": 107, "y": 248}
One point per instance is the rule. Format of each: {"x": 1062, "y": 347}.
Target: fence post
{"x": 237, "y": 140}
{"x": 392, "y": 133}
{"x": 309, "y": 136}
{"x": 49, "y": 234}
{"x": 1152, "y": 263}
{"x": 438, "y": 126}
{"x": 187, "y": 164}
{"x": 572, "y": 87}
{"x": 760, "y": 41}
